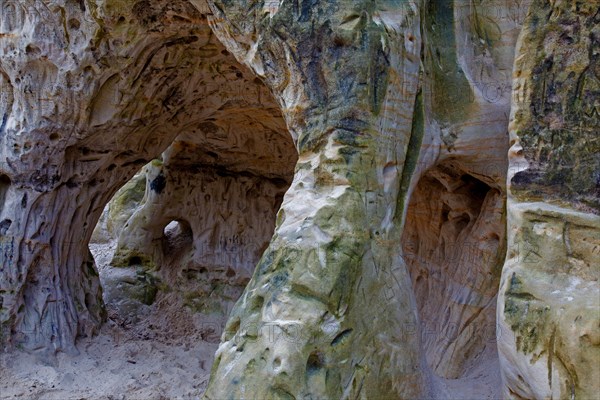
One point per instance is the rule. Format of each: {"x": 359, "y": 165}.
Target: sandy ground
{"x": 111, "y": 368}
{"x": 167, "y": 354}
{"x": 481, "y": 382}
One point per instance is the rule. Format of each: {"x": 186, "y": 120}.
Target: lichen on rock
{"x": 548, "y": 303}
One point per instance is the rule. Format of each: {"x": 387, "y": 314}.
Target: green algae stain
{"x": 558, "y": 121}
{"x": 451, "y": 92}
{"x": 413, "y": 151}
{"x": 528, "y": 317}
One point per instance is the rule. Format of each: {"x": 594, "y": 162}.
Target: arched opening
{"x": 4, "y": 186}
{"x": 454, "y": 248}
{"x": 177, "y": 286}
{"x": 177, "y": 244}
{"x": 177, "y": 237}
{"x": 215, "y": 151}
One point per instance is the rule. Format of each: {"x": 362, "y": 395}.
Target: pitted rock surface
{"x": 383, "y": 198}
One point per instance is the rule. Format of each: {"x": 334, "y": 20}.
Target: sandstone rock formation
{"x": 398, "y": 259}
{"x": 209, "y": 210}
{"x": 394, "y": 135}
{"x": 92, "y": 91}
{"x": 118, "y": 211}
{"x": 549, "y": 303}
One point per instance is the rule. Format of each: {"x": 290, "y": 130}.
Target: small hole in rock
{"x": 4, "y": 225}
{"x": 177, "y": 236}
{"x": 135, "y": 261}
{"x": 74, "y": 24}
{"x": 5, "y": 183}
{"x": 314, "y": 363}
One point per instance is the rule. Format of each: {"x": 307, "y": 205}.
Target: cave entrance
{"x": 454, "y": 248}
{"x": 215, "y": 152}
{"x": 186, "y": 232}
{"x": 177, "y": 244}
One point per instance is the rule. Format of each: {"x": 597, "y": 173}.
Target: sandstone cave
{"x": 273, "y": 199}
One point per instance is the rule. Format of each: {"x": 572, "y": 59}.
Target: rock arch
{"x": 84, "y": 109}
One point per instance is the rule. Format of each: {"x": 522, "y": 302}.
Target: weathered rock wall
{"x": 347, "y": 87}
{"x": 454, "y": 235}
{"x": 91, "y": 91}
{"x": 116, "y": 213}
{"x": 549, "y": 302}
{"x": 380, "y": 97}
{"x": 229, "y": 218}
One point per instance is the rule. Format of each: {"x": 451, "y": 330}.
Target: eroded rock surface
{"x": 549, "y": 303}
{"x": 386, "y": 124}
{"x": 416, "y": 105}
{"x": 91, "y": 91}
{"x": 120, "y": 209}
{"x": 454, "y": 245}
{"x": 200, "y": 230}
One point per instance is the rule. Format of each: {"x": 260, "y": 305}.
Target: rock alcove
{"x": 186, "y": 232}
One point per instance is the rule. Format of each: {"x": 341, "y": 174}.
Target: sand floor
{"x": 167, "y": 354}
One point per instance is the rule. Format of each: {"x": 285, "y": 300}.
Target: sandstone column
{"x": 329, "y": 311}
{"x": 549, "y": 302}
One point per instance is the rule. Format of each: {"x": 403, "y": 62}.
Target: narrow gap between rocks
{"x": 454, "y": 247}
